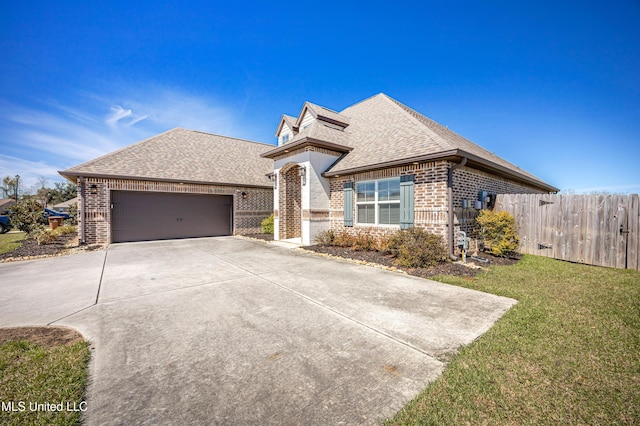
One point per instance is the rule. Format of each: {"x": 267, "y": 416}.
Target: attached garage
{"x": 179, "y": 184}
{"x": 144, "y": 216}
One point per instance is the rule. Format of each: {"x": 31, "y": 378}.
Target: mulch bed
{"x": 46, "y": 336}
{"x": 30, "y": 249}
{"x": 470, "y": 269}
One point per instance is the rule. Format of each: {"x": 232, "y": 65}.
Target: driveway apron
{"x": 232, "y": 331}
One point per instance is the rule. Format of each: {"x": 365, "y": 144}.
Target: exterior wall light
{"x": 93, "y": 189}
{"x": 302, "y": 172}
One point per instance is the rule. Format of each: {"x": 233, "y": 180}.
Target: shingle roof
{"x": 185, "y": 156}
{"x": 383, "y": 132}
{"x": 324, "y": 114}
{"x": 6, "y": 202}
{"x": 289, "y": 121}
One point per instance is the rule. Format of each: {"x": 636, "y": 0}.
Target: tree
{"x": 63, "y": 191}
{"x": 27, "y": 215}
{"x": 10, "y": 187}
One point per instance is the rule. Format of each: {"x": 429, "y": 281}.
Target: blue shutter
{"x": 347, "y": 189}
{"x": 406, "y": 201}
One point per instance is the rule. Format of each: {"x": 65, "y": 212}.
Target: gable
{"x": 307, "y": 120}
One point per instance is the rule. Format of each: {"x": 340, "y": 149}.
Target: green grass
{"x": 10, "y": 242}
{"x": 567, "y": 353}
{"x": 31, "y": 373}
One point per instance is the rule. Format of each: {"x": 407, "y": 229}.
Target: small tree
{"x": 498, "y": 230}
{"x": 267, "y": 225}
{"x": 73, "y": 213}
{"x": 27, "y": 215}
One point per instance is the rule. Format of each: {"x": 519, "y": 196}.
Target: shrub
{"x": 43, "y": 235}
{"x": 417, "y": 248}
{"x": 498, "y": 231}
{"x": 364, "y": 241}
{"x": 325, "y": 238}
{"x": 64, "y": 230}
{"x": 27, "y": 215}
{"x": 73, "y": 213}
{"x": 343, "y": 239}
{"x": 267, "y": 225}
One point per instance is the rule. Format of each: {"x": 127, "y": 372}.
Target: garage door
{"x": 143, "y": 216}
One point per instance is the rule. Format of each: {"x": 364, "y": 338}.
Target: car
{"x": 5, "y": 224}
{"x": 49, "y": 212}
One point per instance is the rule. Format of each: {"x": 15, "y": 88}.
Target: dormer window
{"x": 284, "y": 138}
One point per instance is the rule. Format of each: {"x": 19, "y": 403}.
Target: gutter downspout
{"x": 450, "y": 209}
{"x": 81, "y": 212}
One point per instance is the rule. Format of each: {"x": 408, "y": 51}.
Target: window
{"x": 378, "y": 202}
{"x": 284, "y": 138}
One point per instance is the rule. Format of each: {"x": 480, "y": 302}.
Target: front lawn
{"x": 567, "y": 353}
{"x": 11, "y": 241}
{"x": 43, "y": 375}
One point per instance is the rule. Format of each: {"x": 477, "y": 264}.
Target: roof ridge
{"x": 415, "y": 116}
{"x": 365, "y": 100}
{"x": 224, "y": 136}
{"x": 419, "y": 117}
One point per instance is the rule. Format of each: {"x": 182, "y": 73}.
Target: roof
{"x": 322, "y": 114}
{"x": 289, "y": 121}
{"x": 66, "y": 204}
{"x": 185, "y": 156}
{"x": 383, "y": 132}
{"x": 6, "y": 202}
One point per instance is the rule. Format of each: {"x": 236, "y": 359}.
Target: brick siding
{"x": 430, "y": 196}
{"x": 290, "y": 203}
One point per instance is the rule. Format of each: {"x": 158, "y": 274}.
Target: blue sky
{"x": 552, "y": 86}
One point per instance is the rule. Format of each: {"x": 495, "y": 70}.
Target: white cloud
{"x": 39, "y": 139}
{"x": 29, "y": 171}
{"x": 123, "y": 116}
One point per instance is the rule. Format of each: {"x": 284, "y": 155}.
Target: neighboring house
{"x": 5, "y": 203}
{"x": 179, "y": 184}
{"x": 377, "y": 166}
{"x": 380, "y": 166}
{"x": 63, "y": 207}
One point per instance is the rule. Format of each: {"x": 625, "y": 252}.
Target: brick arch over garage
{"x": 290, "y": 202}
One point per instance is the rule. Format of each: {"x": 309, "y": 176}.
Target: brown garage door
{"x": 143, "y": 216}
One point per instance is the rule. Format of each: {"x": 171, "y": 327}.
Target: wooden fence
{"x": 601, "y": 230}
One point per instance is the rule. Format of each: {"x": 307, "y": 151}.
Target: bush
{"x": 498, "y": 231}
{"x": 267, "y": 225}
{"x": 27, "y": 215}
{"x": 364, "y": 241}
{"x": 73, "y": 213}
{"x": 64, "y": 230}
{"x": 417, "y": 248}
{"x": 43, "y": 235}
{"x": 325, "y": 238}
{"x": 343, "y": 239}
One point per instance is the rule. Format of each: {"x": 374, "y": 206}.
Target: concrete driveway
{"x": 232, "y": 331}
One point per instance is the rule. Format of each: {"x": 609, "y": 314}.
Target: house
{"x": 377, "y": 166}
{"x": 5, "y": 203}
{"x": 380, "y": 166}
{"x": 64, "y": 206}
{"x": 179, "y": 184}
